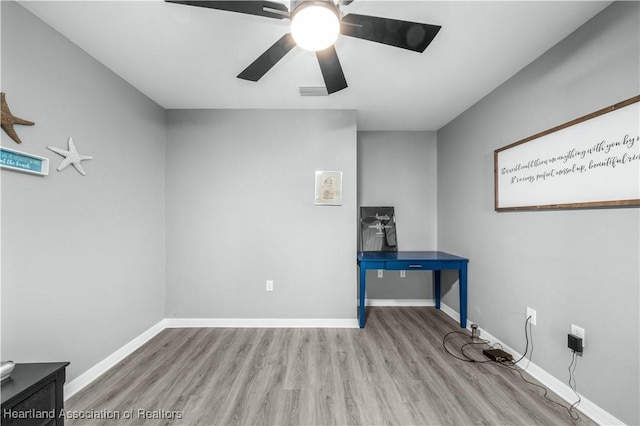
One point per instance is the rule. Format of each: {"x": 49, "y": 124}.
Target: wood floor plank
{"x": 395, "y": 371}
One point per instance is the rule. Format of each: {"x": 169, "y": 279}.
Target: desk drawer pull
{"x": 415, "y": 266}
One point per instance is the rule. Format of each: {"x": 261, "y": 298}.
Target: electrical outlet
{"x": 403, "y": 274}
{"x": 380, "y": 273}
{"x": 269, "y": 285}
{"x": 531, "y": 313}
{"x": 578, "y": 332}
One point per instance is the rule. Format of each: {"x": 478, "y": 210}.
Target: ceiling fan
{"x": 315, "y": 25}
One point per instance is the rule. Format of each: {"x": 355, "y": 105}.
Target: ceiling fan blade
{"x": 268, "y": 59}
{"x": 404, "y": 34}
{"x": 260, "y": 8}
{"x": 331, "y": 70}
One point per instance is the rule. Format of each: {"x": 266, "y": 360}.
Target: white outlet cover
{"x": 578, "y": 331}
{"x": 532, "y": 313}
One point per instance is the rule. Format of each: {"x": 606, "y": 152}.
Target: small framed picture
{"x": 328, "y": 188}
{"x": 378, "y": 229}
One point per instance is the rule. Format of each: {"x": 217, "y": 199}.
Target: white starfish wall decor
{"x": 71, "y": 157}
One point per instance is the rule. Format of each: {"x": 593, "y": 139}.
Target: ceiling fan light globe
{"x": 315, "y": 27}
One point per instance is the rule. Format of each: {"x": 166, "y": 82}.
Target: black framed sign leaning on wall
{"x": 378, "y": 229}
{"x": 592, "y": 161}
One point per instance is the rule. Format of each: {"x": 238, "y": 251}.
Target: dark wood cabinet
{"x": 33, "y": 395}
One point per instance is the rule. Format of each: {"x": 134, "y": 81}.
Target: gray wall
{"x": 572, "y": 266}
{"x": 400, "y": 169}
{"x": 82, "y": 257}
{"x": 240, "y": 211}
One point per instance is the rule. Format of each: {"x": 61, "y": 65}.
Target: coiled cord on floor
{"x": 511, "y": 365}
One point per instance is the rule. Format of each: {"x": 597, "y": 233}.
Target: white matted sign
{"x": 592, "y": 161}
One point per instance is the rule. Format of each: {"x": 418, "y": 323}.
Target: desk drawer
{"x": 411, "y": 266}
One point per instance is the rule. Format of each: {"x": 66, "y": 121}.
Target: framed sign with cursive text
{"x": 592, "y": 161}
{"x": 23, "y": 162}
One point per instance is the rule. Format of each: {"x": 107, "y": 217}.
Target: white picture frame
{"x": 328, "y": 188}
{"x": 23, "y": 162}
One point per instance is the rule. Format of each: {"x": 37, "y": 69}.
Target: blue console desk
{"x": 435, "y": 261}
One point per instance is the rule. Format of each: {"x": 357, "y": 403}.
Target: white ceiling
{"x": 188, "y": 57}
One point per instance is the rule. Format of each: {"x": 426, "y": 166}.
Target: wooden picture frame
{"x": 23, "y": 162}
{"x": 592, "y": 161}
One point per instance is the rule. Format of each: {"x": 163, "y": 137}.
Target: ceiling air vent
{"x": 313, "y": 91}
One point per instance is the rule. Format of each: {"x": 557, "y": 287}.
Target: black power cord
{"x": 526, "y": 336}
{"x": 570, "y": 410}
{"x": 466, "y": 358}
{"x": 572, "y": 375}
{"x": 511, "y": 365}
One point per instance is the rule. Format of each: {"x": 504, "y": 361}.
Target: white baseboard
{"x": 452, "y": 313}
{"x": 399, "y": 302}
{"x": 556, "y": 386}
{"x": 587, "y": 407}
{"x": 83, "y": 380}
{"x": 261, "y": 323}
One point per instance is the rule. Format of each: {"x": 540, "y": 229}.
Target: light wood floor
{"x": 395, "y": 371}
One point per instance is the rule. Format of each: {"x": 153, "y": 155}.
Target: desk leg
{"x": 436, "y": 284}
{"x": 363, "y": 286}
{"x": 463, "y": 296}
